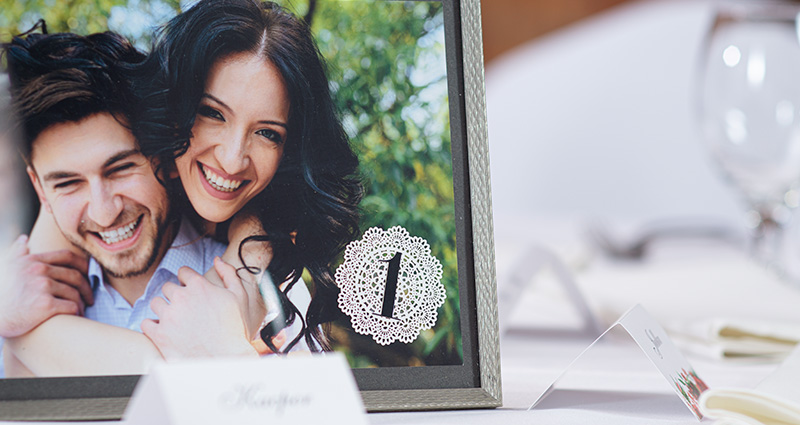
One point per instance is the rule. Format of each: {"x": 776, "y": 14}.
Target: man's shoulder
{"x": 190, "y": 248}
{"x": 212, "y": 247}
{"x": 189, "y": 235}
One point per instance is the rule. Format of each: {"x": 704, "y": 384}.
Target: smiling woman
{"x": 238, "y": 136}
{"x": 264, "y": 123}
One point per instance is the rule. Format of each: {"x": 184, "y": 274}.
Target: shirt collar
{"x": 186, "y": 250}
{"x": 95, "y": 274}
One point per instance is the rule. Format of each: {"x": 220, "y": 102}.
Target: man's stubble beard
{"x": 161, "y": 225}
{"x": 155, "y": 252}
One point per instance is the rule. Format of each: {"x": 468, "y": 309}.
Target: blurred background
{"x": 592, "y": 104}
{"x": 602, "y": 112}
{"x": 652, "y": 146}
{"x": 646, "y": 152}
{"x": 510, "y": 23}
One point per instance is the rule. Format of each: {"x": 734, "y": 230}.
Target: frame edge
{"x": 481, "y": 194}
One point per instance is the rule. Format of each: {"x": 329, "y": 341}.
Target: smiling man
{"x": 104, "y": 197}
{"x": 96, "y": 189}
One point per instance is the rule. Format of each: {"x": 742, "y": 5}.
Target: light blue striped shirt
{"x": 188, "y": 249}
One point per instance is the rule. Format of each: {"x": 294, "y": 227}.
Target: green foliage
{"x": 387, "y": 72}
{"x": 133, "y": 19}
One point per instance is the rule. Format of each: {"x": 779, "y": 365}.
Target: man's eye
{"x": 65, "y": 184}
{"x": 121, "y": 168}
{"x": 271, "y": 135}
{"x": 210, "y": 112}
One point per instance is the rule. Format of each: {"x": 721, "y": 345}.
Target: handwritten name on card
{"x": 258, "y": 397}
{"x": 305, "y": 389}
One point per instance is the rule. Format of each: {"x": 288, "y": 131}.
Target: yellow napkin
{"x": 736, "y": 338}
{"x": 775, "y": 401}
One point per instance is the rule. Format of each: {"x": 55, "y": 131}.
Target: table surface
{"x": 614, "y": 382}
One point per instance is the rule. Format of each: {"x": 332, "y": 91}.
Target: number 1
{"x": 391, "y": 285}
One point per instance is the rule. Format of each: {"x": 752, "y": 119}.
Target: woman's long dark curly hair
{"x": 309, "y": 210}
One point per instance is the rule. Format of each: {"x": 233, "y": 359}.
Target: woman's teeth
{"x": 118, "y": 235}
{"x": 219, "y": 183}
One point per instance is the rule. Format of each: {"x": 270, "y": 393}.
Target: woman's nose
{"x": 232, "y": 153}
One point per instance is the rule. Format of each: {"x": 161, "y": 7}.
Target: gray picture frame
{"x": 488, "y": 391}
{"x": 475, "y": 384}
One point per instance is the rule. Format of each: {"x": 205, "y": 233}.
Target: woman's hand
{"x": 40, "y": 286}
{"x": 200, "y": 319}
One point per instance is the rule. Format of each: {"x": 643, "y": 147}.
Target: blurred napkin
{"x": 737, "y": 338}
{"x": 775, "y": 401}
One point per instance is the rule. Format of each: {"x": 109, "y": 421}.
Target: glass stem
{"x": 766, "y": 244}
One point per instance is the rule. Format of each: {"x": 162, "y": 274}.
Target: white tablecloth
{"x": 614, "y": 382}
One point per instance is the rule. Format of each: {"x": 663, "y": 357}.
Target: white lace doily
{"x": 362, "y": 280}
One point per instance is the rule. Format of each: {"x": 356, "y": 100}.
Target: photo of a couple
{"x": 195, "y": 200}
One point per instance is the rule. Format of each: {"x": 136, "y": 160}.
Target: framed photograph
{"x": 414, "y": 304}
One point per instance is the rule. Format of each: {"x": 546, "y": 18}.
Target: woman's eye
{"x": 272, "y": 135}
{"x": 210, "y": 112}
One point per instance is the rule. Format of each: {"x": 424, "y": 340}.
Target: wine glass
{"x": 750, "y": 115}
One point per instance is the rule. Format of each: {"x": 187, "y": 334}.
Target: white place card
{"x": 534, "y": 260}
{"x": 294, "y": 389}
{"x": 661, "y": 351}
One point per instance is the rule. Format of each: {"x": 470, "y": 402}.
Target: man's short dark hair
{"x": 57, "y": 78}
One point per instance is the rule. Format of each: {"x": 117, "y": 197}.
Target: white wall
{"x": 597, "y": 121}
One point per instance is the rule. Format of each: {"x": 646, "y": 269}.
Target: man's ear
{"x": 37, "y": 186}
{"x": 171, "y": 171}
{"x": 168, "y": 172}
